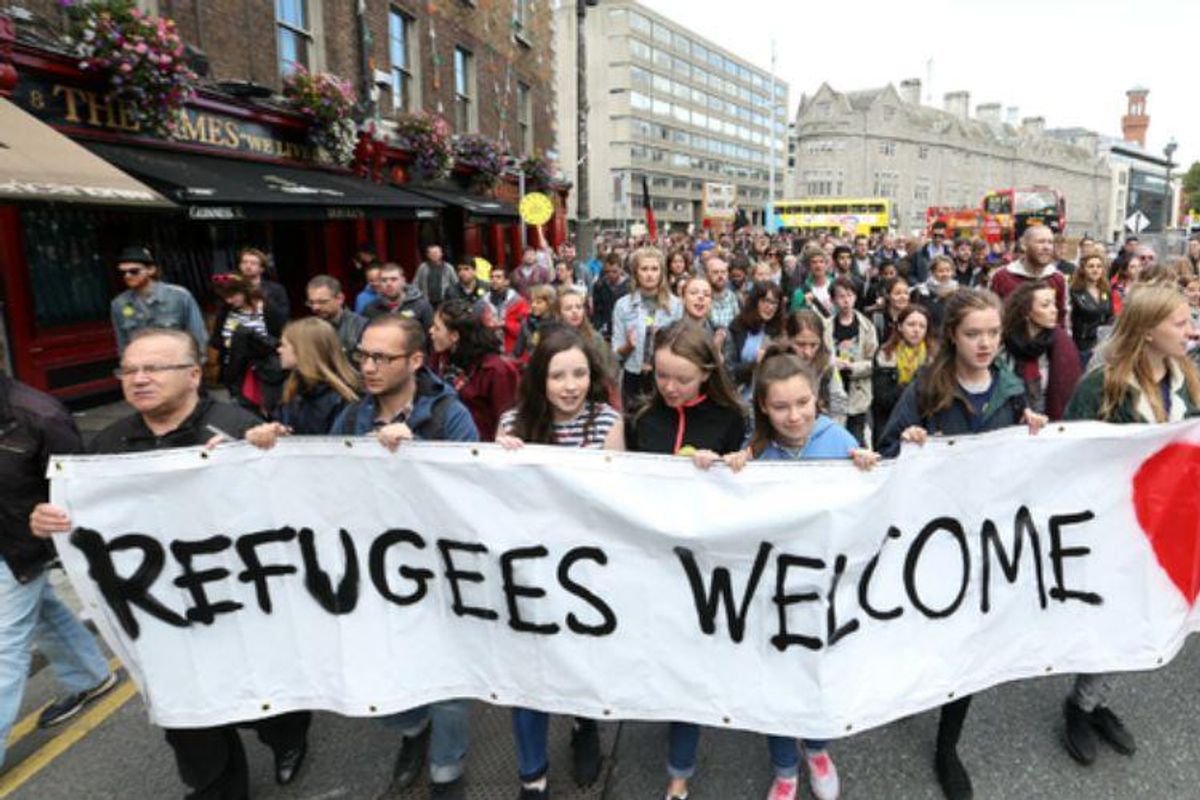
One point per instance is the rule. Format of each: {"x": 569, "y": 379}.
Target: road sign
{"x": 1137, "y": 222}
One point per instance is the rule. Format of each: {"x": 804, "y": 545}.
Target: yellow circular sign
{"x": 536, "y": 209}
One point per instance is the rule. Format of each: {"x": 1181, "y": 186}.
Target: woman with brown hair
{"x": 467, "y": 356}
{"x": 694, "y": 411}
{"x": 964, "y": 390}
{"x": 1145, "y": 376}
{"x": 562, "y": 401}
{"x": 1091, "y": 303}
{"x": 805, "y": 333}
{"x": 321, "y": 383}
{"x": 760, "y": 321}
{"x": 1038, "y": 349}
{"x": 896, "y": 363}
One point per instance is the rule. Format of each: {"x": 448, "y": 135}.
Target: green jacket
{"x": 1089, "y": 397}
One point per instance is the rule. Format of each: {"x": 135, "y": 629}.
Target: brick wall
{"x": 238, "y": 37}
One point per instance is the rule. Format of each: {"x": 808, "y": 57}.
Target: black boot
{"x": 952, "y": 775}
{"x": 585, "y": 746}
{"x": 410, "y": 759}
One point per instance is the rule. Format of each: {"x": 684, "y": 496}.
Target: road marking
{"x": 29, "y": 724}
{"x": 101, "y": 710}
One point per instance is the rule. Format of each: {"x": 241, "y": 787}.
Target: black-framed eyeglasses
{"x": 149, "y": 369}
{"x": 361, "y": 357}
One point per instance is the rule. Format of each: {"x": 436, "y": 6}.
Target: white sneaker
{"x": 783, "y": 789}
{"x": 823, "y": 776}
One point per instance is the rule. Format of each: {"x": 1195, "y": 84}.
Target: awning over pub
{"x": 212, "y": 187}
{"x": 39, "y": 163}
{"x": 475, "y": 205}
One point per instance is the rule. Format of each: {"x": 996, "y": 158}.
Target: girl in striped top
{"x": 561, "y": 402}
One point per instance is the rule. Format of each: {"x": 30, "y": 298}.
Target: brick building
{"x": 486, "y": 67}
{"x": 241, "y": 168}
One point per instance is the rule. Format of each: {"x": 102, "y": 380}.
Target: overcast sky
{"x": 1069, "y": 61}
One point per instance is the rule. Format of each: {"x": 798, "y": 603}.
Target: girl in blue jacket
{"x": 788, "y": 426}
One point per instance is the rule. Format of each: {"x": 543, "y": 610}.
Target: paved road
{"x": 1012, "y": 746}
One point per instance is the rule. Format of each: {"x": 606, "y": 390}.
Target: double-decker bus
{"x": 839, "y": 215}
{"x": 1014, "y": 210}
{"x": 960, "y": 222}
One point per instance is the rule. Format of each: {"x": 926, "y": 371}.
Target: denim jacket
{"x": 632, "y": 314}
{"x": 167, "y": 306}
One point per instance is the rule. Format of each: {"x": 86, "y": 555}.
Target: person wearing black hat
{"x": 148, "y": 302}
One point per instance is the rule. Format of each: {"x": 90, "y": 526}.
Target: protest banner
{"x": 804, "y": 598}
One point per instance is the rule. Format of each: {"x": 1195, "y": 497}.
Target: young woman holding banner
{"x": 694, "y": 411}
{"x": 561, "y": 401}
{"x": 963, "y": 390}
{"x": 788, "y": 426}
{"x": 1146, "y": 376}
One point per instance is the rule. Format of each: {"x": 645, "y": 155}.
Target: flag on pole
{"x": 651, "y": 225}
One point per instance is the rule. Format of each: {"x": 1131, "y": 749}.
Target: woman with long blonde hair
{"x": 1145, "y": 376}
{"x": 649, "y": 307}
{"x": 320, "y": 384}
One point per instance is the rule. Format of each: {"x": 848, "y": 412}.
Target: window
{"x": 922, "y": 191}
{"x": 923, "y": 152}
{"x": 639, "y": 23}
{"x": 661, "y": 107}
{"x": 464, "y": 90}
{"x": 525, "y": 118}
{"x": 639, "y": 101}
{"x": 639, "y": 76}
{"x": 400, "y": 27}
{"x": 887, "y": 148}
{"x": 522, "y": 15}
{"x": 661, "y": 84}
{"x": 886, "y": 184}
{"x": 662, "y": 34}
{"x": 681, "y": 43}
{"x": 823, "y": 109}
{"x": 294, "y": 35}
{"x": 639, "y": 49}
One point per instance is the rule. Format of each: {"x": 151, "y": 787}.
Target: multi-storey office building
{"x": 669, "y": 105}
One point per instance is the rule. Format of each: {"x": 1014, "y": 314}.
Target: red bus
{"x": 1014, "y": 210}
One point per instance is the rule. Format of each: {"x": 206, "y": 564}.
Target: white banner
{"x": 796, "y": 598}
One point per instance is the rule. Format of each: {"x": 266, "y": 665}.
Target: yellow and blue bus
{"x": 841, "y": 215}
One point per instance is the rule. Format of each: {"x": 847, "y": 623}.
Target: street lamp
{"x": 1169, "y": 151}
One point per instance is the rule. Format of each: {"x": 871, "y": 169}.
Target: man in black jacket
{"x": 160, "y": 377}
{"x": 252, "y": 263}
{"x": 34, "y": 426}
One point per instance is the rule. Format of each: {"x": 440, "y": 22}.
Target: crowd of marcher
{"x": 725, "y": 349}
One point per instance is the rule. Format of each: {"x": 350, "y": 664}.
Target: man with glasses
{"x": 924, "y": 257}
{"x": 326, "y": 300}
{"x": 405, "y": 400}
{"x": 33, "y": 427}
{"x": 148, "y": 302}
{"x": 160, "y": 378}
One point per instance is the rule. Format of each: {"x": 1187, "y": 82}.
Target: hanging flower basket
{"x": 329, "y": 102}
{"x": 538, "y": 172}
{"x": 141, "y": 55}
{"x": 427, "y": 137}
{"x": 481, "y": 155}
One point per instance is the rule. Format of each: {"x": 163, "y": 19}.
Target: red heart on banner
{"x": 1166, "y": 499}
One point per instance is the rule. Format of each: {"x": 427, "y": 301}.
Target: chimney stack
{"x": 958, "y": 104}
{"x": 910, "y": 91}
{"x": 1011, "y": 115}
{"x": 1136, "y": 121}
{"x": 1033, "y": 126}
{"x": 988, "y": 112}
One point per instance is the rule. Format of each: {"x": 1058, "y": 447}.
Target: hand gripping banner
{"x": 794, "y": 598}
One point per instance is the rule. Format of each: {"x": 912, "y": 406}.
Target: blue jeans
{"x": 531, "y": 731}
{"x": 785, "y": 756}
{"x": 32, "y": 613}
{"x": 448, "y": 742}
{"x": 684, "y": 741}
